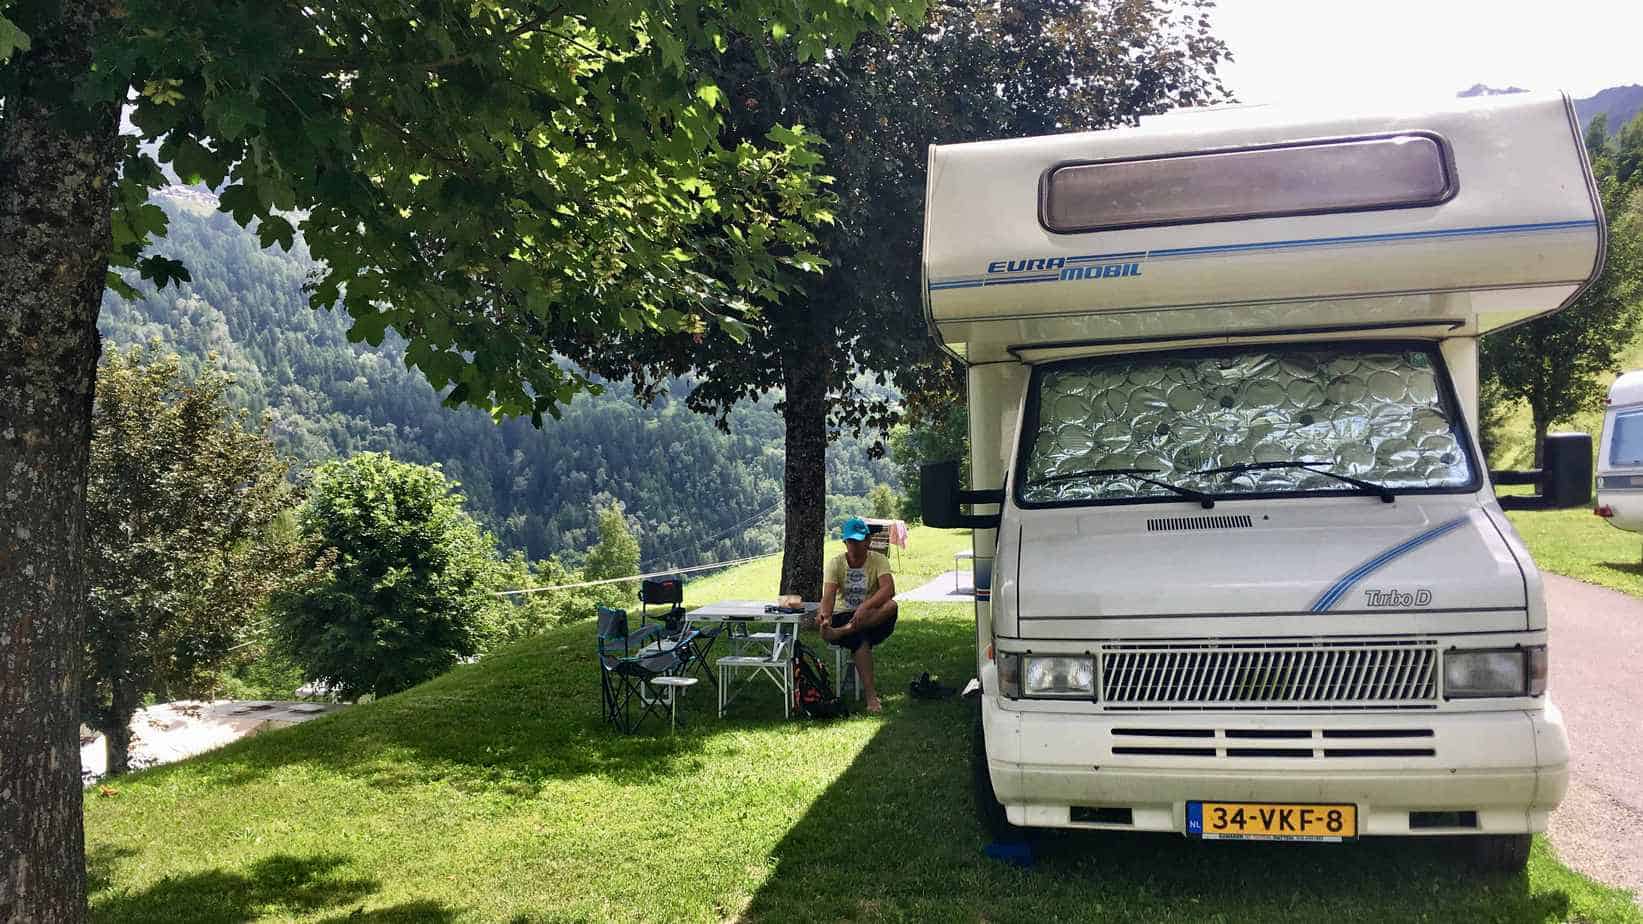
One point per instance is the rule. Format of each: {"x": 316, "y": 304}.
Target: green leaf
{"x": 163, "y": 271}
{"x": 234, "y": 115}
{"x": 370, "y": 329}
{"x": 116, "y": 283}
{"x": 196, "y": 163}
{"x": 241, "y": 201}
{"x": 276, "y": 230}
{"x": 734, "y": 329}
{"x": 12, "y": 39}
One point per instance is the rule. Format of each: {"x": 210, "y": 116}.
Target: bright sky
{"x": 1347, "y": 50}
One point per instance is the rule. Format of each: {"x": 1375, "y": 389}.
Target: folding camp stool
{"x": 675, "y": 686}
{"x": 843, "y": 660}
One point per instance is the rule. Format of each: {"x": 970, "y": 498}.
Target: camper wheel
{"x": 1497, "y": 854}
{"x": 989, "y": 811}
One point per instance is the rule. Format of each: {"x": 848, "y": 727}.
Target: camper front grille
{"x": 1367, "y": 675}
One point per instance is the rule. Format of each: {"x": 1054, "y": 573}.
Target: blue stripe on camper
{"x": 1334, "y": 594}
{"x": 971, "y": 282}
{"x": 1376, "y": 238}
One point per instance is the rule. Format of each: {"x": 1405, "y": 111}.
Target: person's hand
{"x": 825, "y": 630}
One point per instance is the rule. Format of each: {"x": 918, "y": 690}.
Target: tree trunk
{"x": 117, "y": 729}
{"x": 1541, "y": 426}
{"x": 56, "y": 171}
{"x": 1539, "y": 397}
{"x": 804, "y": 414}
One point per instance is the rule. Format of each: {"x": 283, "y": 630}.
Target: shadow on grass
{"x": 279, "y": 884}
{"x": 895, "y": 838}
{"x": 1628, "y": 568}
{"x": 515, "y": 721}
{"x": 525, "y": 717}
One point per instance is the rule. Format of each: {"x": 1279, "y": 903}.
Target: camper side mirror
{"x": 940, "y": 498}
{"x": 1564, "y": 476}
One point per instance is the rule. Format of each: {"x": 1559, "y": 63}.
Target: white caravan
{"x": 1246, "y": 576}
{"x": 1620, "y": 455}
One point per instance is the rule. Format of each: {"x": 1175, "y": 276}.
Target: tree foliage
{"x": 182, "y": 507}
{"x": 922, "y": 439}
{"x": 481, "y": 174}
{"x": 615, "y": 555}
{"x": 1553, "y": 362}
{"x": 476, "y": 175}
{"x": 395, "y": 592}
{"x": 970, "y": 69}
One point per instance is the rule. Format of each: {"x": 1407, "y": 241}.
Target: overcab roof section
{"x": 1257, "y": 222}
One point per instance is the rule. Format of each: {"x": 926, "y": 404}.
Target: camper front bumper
{"x": 1497, "y": 772}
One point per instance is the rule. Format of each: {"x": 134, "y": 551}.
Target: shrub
{"x": 396, "y": 589}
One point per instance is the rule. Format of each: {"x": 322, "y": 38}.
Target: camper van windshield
{"x": 1373, "y": 412}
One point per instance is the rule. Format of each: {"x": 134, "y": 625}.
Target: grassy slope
{"x": 495, "y": 793}
{"x": 1582, "y": 546}
{"x": 1573, "y": 542}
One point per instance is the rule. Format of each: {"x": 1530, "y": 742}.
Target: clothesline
{"x": 635, "y": 577}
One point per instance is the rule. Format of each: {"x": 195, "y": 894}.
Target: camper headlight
{"x": 1058, "y": 675}
{"x": 1494, "y": 672}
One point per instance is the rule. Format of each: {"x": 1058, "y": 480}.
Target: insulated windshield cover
{"x": 1376, "y": 414}
{"x": 1397, "y": 171}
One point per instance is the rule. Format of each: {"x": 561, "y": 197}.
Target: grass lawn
{"x": 494, "y": 793}
{"x": 1580, "y": 545}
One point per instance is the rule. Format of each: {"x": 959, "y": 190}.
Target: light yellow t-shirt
{"x": 855, "y": 584}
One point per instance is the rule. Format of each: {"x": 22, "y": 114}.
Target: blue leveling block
{"x": 1019, "y": 853}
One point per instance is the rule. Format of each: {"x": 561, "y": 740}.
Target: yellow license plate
{"x": 1270, "y": 821}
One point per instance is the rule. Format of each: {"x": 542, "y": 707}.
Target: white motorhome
{"x": 1240, "y": 569}
{"x": 1620, "y": 455}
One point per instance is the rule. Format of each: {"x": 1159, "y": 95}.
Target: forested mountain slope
{"x": 692, "y": 493}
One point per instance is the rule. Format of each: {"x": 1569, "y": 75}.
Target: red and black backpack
{"x": 813, "y": 694}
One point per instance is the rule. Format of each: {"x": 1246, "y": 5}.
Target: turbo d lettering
{"x": 1397, "y": 598}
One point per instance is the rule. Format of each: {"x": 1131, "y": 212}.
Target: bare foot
{"x": 874, "y": 707}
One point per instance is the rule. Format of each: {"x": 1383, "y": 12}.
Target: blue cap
{"x": 854, "y": 528}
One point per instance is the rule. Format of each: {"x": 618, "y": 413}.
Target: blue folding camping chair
{"x": 629, "y": 661}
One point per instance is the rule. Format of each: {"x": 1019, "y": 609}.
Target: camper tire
{"x": 995, "y": 824}
{"x": 1499, "y": 854}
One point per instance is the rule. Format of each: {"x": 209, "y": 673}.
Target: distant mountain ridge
{"x": 1619, "y": 104}
{"x": 693, "y": 494}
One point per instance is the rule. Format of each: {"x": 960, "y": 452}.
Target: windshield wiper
{"x": 1367, "y": 487}
{"x": 1139, "y": 474}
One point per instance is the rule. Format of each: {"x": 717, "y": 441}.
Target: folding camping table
{"x": 769, "y": 653}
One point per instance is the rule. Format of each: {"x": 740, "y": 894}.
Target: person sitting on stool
{"x": 869, "y": 597}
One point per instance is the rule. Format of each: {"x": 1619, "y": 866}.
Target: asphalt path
{"x": 1597, "y": 680}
